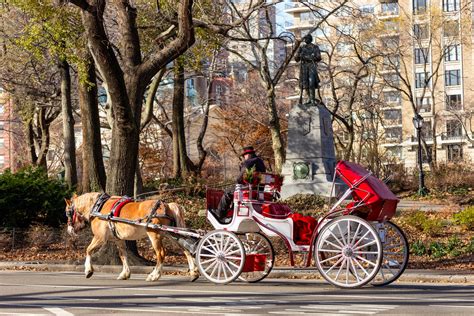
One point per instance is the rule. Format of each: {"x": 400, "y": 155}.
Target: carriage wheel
{"x": 220, "y": 256}
{"x": 395, "y": 255}
{"x": 348, "y": 252}
{"x": 257, "y": 244}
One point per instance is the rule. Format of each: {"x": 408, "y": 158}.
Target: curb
{"x": 410, "y": 276}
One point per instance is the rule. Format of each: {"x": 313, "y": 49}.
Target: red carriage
{"x": 352, "y": 245}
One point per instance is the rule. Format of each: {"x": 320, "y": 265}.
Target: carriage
{"x": 351, "y": 245}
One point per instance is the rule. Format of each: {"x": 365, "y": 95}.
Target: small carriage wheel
{"x": 257, "y": 244}
{"x": 220, "y": 256}
{"x": 348, "y": 252}
{"x": 395, "y": 255}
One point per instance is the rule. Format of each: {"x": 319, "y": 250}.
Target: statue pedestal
{"x": 310, "y": 156}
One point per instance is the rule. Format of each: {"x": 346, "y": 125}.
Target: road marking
{"x": 450, "y": 306}
{"x": 129, "y": 288}
{"x": 24, "y": 314}
{"x": 58, "y": 311}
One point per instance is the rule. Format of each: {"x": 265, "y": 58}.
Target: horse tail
{"x": 177, "y": 212}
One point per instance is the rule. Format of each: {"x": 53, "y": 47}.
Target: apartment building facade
{"x": 7, "y": 139}
{"x": 427, "y": 68}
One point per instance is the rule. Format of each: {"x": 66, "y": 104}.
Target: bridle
{"x": 72, "y": 215}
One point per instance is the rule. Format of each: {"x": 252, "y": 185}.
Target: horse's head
{"x": 75, "y": 220}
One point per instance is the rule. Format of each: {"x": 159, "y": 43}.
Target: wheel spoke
{"x": 333, "y": 257}
{"x": 328, "y": 250}
{"x": 374, "y": 241}
{"x": 332, "y": 244}
{"x": 330, "y": 232}
{"x": 233, "y": 257}
{"x": 347, "y": 270}
{"x": 210, "y": 250}
{"x": 355, "y": 270}
{"x": 360, "y": 266}
{"x": 365, "y": 260}
{"x": 340, "y": 269}
{"x": 362, "y": 238}
{"x": 356, "y": 233}
{"x": 209, "y": 260}
{"x": 340, "y": 233}
{"x": 348, "y": 232}
{"x": 210, "y": 266}
{"x": 338, "y": 261}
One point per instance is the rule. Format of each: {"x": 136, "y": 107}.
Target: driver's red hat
{"x": 248, "y": 150}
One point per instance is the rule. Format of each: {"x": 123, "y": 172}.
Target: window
{"x": 426, "y": 130}
{"x": 392, "y": 96}
{"x": 453, "y": 129}
{"x": 390, "y": 26}
{"x": 451, "y": 28}
{"x": 391, "y": 79}
{"x": 393, "y": 115}
{"x": 393, "y": 133}
{"x": 390, "y": 42}
{"x": 391, "y": 62}
{"x": 2, "y": 161}
{"x": 422, "y": 79}
{"x": 2, "y": 108}
{"x": 369, "y": 8}
{"x": 450, "y": 5}
{"x": 344, "y": 47}
{"x": 2, "y": 142}
{"x": 453, "y": 102}
{"x": 422, "y": 55}
{"x": 344, "y": 11}
{"x": 452, "y": 77}
{"x": 344, "y": 29}
{"x": 395, "y": 152}
{"x": 419, "y": 6}
{"x": 452, "y": 53}
{"x": 390, "y": 8}
{"x": 454, "y": 152}
{"x": 420, "y": 31}
{"x": 423, "y": 104}
{"x": 425, "y": 157}
{"x": 2, "y": 126}
{"x": 307, "y": 16}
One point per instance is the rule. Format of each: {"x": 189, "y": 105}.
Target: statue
{"x": 310, "y": 55}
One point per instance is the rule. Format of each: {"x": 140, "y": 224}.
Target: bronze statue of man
{"x": 309, "y": 55}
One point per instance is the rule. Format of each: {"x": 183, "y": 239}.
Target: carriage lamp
{"x": 418, "y": 123}
{"x": 300, "y": 170}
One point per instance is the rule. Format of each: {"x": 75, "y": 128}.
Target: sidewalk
{"x": 410, "y": 275}
{"x": 406, "y": 205}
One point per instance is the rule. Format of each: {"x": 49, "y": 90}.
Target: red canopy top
{"x": 375, "y": 194}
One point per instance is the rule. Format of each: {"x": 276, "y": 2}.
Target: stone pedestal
{"x": 310, "y": 156}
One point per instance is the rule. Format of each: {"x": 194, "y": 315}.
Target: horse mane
{"x": 85, "y": 202}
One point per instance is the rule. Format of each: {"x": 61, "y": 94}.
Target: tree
{"x": 127, "y": 70}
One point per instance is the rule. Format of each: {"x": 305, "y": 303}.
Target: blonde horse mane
{"x": 84, "y": 203}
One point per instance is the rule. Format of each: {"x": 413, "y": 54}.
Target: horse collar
{"x": 104, "y": 197}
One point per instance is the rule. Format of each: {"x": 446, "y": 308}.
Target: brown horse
{"x": 81, "y": 207}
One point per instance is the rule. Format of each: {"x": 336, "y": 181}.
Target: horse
{"x": 79, "y": 208}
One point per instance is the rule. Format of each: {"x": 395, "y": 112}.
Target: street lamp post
{"x": 418, "y": 122}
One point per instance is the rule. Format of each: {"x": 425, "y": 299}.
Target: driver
{"x": 250, "y": 160}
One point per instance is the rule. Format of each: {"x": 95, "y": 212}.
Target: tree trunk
{"x": 180, "y": 157}
{"x": 68, "y": 125}
{"x": 93, "y": 171}
{"x": 275, "y": 131}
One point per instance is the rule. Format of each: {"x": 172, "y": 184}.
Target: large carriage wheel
{"x": 395, "y": 255}
{"x": 220, "y": 256}
{"x": 348, "y": 252}
{"x": 262, "y": 257}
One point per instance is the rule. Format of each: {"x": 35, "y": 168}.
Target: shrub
{"x": 455, "y": 178}
{"x": 465, "y": 218}
{"x": 437, "y": 249}
{"x": 418, "y": 248}
{"x": 420, "y": 221}
{"x": 29, "y": 196}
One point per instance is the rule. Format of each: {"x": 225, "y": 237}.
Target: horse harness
{"x": 117, "y": 207}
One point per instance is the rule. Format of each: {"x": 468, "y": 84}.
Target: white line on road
{"x": 454, "y": 306}
{"x": 58, "y": 311}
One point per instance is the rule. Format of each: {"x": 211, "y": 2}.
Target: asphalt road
{"x": 66, "y": 293}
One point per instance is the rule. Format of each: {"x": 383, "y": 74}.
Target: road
{"x": 67, "y": 293}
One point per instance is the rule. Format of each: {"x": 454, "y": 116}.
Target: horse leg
{"x": 193, "y": 269}
{"x": 125, "y": 274}
{"x": 93, "y": 246}
{"x": 157, "y": 243}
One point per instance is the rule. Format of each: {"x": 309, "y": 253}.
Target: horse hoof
{"x": 194, "y": 277}
{"x": 89, "y": 274}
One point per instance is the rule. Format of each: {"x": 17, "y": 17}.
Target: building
{"x": 7, "y": 135}
{"x": 427, "y": 66}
